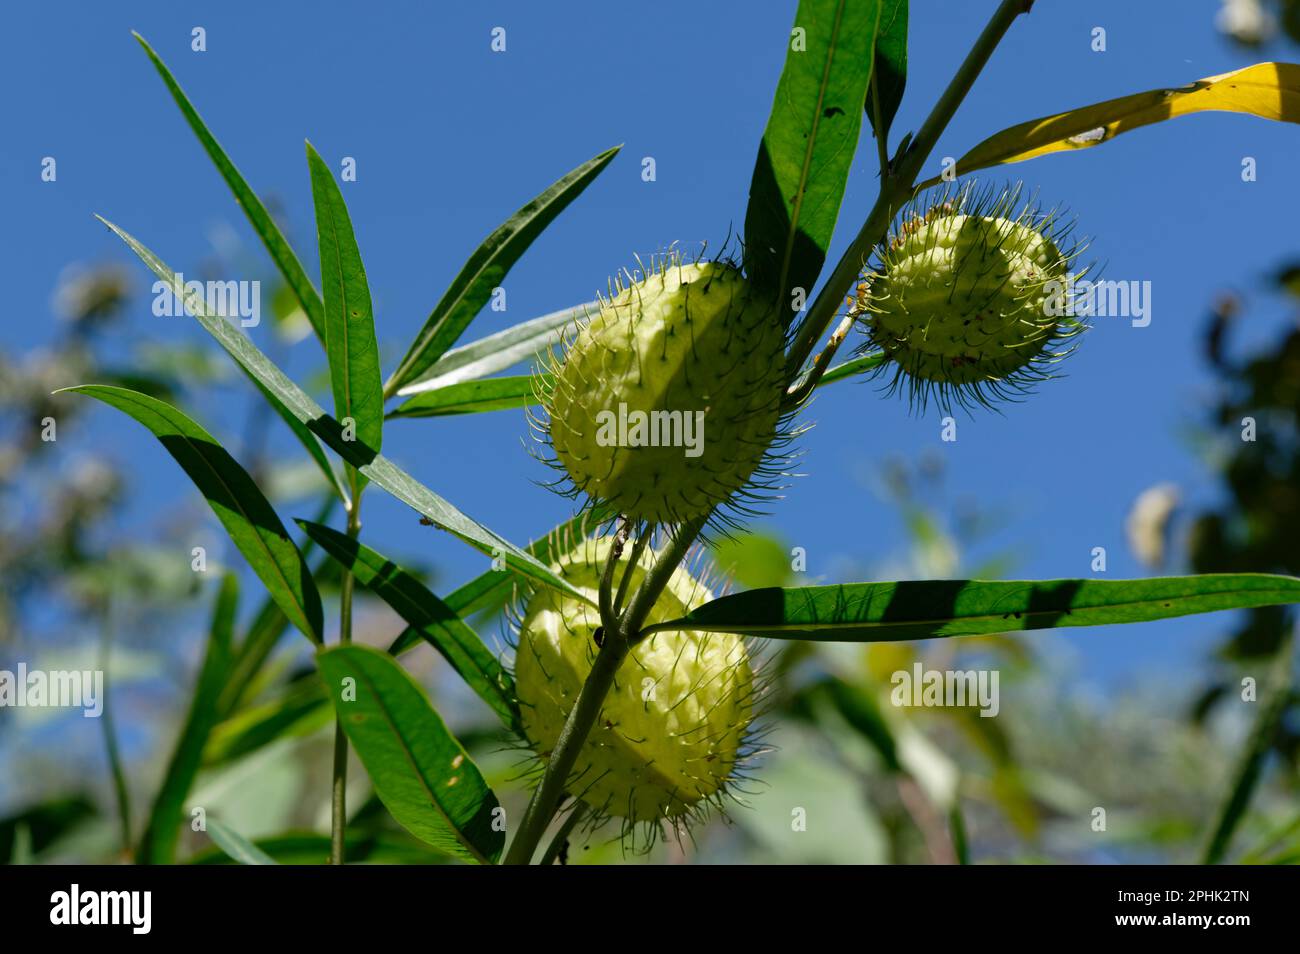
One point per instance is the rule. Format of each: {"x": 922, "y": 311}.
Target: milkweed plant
{"x": 668, "y": 410}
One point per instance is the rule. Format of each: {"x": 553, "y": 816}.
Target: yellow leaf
{"x": 1268, "y": 90}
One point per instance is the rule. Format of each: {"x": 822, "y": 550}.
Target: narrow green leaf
{"x": 308, "y": 440}
{"x": 276, "y": 244}
{"x": 957, "y": 827}
{"x": 236, "y": 845}
{"x": 374, "y": 466}
{"x": 1275, "y": 846}
{"x": 487, "y": 268}
{"x": 349, "y": 317}
{"x": 490, "y": 591}
{"x": 234, "y": 497}
{"x": 435, "y": 621}
{"x": 45, "y": 824}
{"x": 808, "y": 145}
{"x": 405, "y": 488}
{"x": 265, "y": 227}
{"x": 474, "y": 397}
{"x": 496, "y": 352}
{"x": 268, "y": 625}
{"x": 854, "y": 366}
{"x": 507, "y": 393}
{"x": 22, "y": 853}
{"x": 299, "y": 709}
{"x": 158, "y": 845}
{"x": 420, "y": 772}
{"x": 928, "y": 609}
{"x": 1275, "y": 694}
{"x": 309, "y": 848}
{"x": 890, "y": 72}
{"x": 247, "y": 676}
{"x": 860, "y": 710}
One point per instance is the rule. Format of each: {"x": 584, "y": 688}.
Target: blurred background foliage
{"x": 876, "y": 783}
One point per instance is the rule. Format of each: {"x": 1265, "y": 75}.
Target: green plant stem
{"x": 927, "y": 819}
{"x": 267, "y": 626}
{"x": 846, "y": 272}
{"x": 882, "y": 146}
{"x": 957, "y": 826}
{"x": 121, "y": 793}
{"x": 339, "y": 794}
{"x": 583, "y": 715}
{"x": 1274, "y": 695}
{"x": 897, "y": 187}
{"x": 617, "y": 644}
{"x": 801, "y": 391}
{"x": 561, "y": 839}
{"x": 960, "y": 85}
{"x": 647, "y": 594}
{"x": 605, "y": 595}
{"x": 638, "y": 548}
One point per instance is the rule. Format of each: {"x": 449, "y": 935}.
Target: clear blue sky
{"x": 450, "y": 138}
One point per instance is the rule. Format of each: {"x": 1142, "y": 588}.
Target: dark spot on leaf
{"x": 830, "y": 111}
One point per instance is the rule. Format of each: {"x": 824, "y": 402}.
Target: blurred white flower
{"x": 1147, "y": 525}
{"x": 91, "y": 293}
{"x": 1246, "y": 21}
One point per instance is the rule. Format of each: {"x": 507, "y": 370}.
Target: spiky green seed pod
{"x": 668, "y": 401}
{"x": 969, "y": 298}
{"x": 673, "y": 727}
